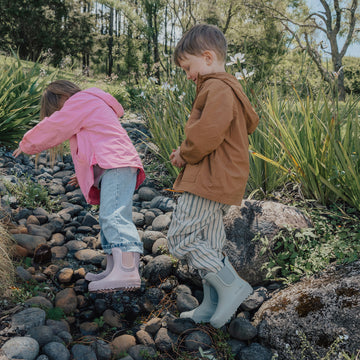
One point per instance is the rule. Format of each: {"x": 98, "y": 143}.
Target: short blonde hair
{"x": 198, "y": 39}
{"x": 51, "y": 97}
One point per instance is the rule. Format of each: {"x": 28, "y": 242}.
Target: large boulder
{"x": 315, "y": 312}
{"x": 243, "y": 222}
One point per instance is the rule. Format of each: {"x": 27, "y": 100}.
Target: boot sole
{"x": 195, "y": 317}
{"x": 245, "y": 293}
{"x": 116, "y": 288}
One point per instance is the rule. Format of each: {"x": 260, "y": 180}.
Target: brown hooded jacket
{"x": 216, "y": 144}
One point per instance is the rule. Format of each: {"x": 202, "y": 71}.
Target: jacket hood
{"x": 251, "y": 117}
{"x": 109, "y": 99}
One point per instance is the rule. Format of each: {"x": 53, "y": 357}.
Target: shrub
{"x": 20, "y": 92}
{"x": 31, "y": 195}
{"x": 352, "y": 75}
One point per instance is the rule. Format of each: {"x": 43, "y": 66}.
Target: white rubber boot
{"x": 231, "y": 290}
{"x": 109, "y": 266}
{"x": 206, "y": 309}
{"x": 123, "y": 276}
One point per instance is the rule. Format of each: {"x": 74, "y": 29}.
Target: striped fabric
{"x": 197, "y": 232}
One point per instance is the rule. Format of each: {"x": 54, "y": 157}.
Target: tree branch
{"x": 338, "y": 16}
{"x": 351, "y": 31}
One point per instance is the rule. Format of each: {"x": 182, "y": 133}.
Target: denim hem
{"x": 133, "y": 247}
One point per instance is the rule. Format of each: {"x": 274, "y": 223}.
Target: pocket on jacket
{"x": 190, "y": 173}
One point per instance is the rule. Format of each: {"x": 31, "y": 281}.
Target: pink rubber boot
{"x": 123, "y": 276}
{"x": 106, "y": 272}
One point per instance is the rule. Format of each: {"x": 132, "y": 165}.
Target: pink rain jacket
{"x": 90, "y": 120}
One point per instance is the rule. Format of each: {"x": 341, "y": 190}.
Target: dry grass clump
{"x": 7, "y": 270}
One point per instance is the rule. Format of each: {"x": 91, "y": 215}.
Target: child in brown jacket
{"x": 215, "y": 167}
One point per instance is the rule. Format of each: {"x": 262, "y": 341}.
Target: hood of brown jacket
{"x": 251, "y": 117}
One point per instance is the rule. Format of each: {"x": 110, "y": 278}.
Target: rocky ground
{"x": 55, "y": 317}
{"x": 64, "y": 321}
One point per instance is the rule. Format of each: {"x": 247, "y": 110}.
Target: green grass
{"x": 7, "y": 271}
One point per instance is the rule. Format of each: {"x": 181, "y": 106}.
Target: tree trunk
{"x": 156, "y": 44}
{"x": 111, "y": 41}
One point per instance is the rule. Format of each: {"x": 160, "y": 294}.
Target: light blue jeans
{"x": 115, "y": 214}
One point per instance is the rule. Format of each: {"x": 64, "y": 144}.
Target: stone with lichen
{"x": 313, "y": 314}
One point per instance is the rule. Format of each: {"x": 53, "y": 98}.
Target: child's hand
{"x": 73, "y": 181}
{"x": 176, "y": 158}
{"x": 17, "y": 152}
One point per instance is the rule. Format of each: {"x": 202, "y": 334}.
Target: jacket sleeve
{"x": 206, "y": 127}
{"x": 57, "y": 128}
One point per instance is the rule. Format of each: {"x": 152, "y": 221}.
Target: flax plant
{"x": 166, "y": 109}
{"x": 318, "y": 149}
{"x": 267, "y": 158}
{"x": 20, "y": 92}
{"x": 347, "y": 152}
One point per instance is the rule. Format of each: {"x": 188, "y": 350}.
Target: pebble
{"x": 28, "y": 319}
{"x": 42, "y": 334}
{"x": 150, "y": 237}
{"x": 25, "y": 348}
{"x": 153, "y": 326}
{"x": 89, "y": 256}
{"x": 112, "y": 318}
{"x": 56, "y": 351}
{"x": 83, "y": 352}
{"x": 122, "y": 344}
{"x": 29, "y": 242}
{"x": 186, "y": 302}
{"x": 23, "y": 273}
{"x": 72, "y": 233}
{"x": 39, "y": 230}
{"x": 159, "y": 268}
{"x": 40, "y": 302}
{"x": 65, "y": 275}
{"x": 66, "y": 300}
{"x": 163, "y": 340}
{"x": 242, "y": 329}
{"x": 196, "y": 339}
{"x": 255, "y": 300}
{"x": 144, "y": 338}
{"x": 102, "y": 349}
{"x": 141, "y": 352}
{"x": 59, "y": 252}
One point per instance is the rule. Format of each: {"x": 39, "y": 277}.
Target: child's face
{"x": 195, "y": 65}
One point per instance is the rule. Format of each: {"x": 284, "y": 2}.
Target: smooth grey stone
{"x": 83, "y": 352}
{"x": 242, "y": 329}
{"x": 25, "y": 348}
{"x": 28, "y": 319}
{"x": 42, "y": 334}
{"x": 56, "y": 351}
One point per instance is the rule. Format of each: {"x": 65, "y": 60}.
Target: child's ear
{"x": 208, "y": 56}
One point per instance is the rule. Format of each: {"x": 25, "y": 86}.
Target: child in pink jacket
{"x": 107, "y": 167}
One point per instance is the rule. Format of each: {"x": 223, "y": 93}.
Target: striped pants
{"x": 197, "y": 232}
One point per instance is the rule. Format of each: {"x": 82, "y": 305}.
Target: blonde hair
{"x": 54, "y": 94}
{"x": 198, "y": 39}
